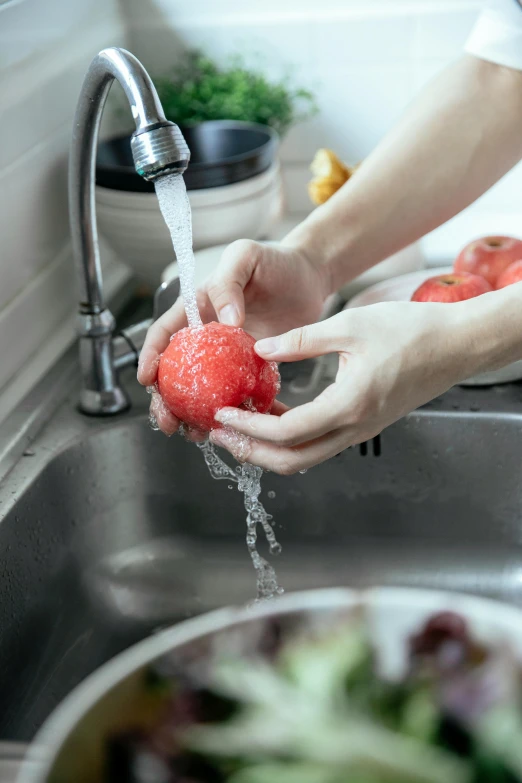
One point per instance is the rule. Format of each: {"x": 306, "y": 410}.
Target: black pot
{"x": 221, "y": 152}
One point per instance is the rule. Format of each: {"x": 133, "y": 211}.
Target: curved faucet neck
{"x": 147, "y": 112}
{"x": 158, "y": 148}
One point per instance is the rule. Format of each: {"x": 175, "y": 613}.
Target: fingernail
{"x": 268, "y": 346}
{"x": 229, "y": 315}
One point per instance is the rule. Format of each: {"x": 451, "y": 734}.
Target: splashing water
{"x": 175, "y": 208}
{"x": 152, "y": 416}
{"x": 248, "y": 479}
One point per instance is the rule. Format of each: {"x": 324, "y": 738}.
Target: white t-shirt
{"x": 497, "y": 34}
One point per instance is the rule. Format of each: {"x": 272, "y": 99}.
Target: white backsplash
{"x": 365, "y": 59}
{"x": 45, "y": 49}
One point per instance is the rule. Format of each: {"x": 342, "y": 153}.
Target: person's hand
{"x": 266, "y": 289}
{"x": 393, "y": 357}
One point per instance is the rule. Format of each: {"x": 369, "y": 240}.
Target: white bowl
{"x": 133, "y": 226}
{"x": 401, "y": 289}
{"x": 392, "y": 615}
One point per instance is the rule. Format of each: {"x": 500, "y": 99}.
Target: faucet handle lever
{"x": 165, "y": 297}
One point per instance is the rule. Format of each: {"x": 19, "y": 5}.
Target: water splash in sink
{"x": 248, "y": 479}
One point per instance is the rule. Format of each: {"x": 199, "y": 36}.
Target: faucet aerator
{"x": 159, "y": 151}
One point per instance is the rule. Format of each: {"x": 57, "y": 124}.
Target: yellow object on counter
{"x": 330, "y": 174}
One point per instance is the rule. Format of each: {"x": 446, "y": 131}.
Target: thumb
{"x": 225, "y": 289}
{"x": 303, "y": 343}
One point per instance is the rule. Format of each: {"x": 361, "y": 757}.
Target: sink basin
{"x": 109, "y": 531}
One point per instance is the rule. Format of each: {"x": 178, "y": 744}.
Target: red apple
{"x": 214, "y": 366}
{"x": 488, "y": 257}
{"x": 513, "y": 274}
{"x": 451, "y": 288}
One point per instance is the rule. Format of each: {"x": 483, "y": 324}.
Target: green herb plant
{"x": 198, "y": 90}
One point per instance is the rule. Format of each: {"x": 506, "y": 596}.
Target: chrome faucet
{"x": 158, "y": 148}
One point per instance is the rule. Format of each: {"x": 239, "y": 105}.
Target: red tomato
{"x": 211, "y": 367}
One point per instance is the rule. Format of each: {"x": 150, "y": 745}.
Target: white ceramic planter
{"x": 133, "y": 226}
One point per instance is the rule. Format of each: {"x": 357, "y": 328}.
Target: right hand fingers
{"x": 170, "y": 424}
{"x": 305, "y": 342}
{"x": 293, "y": 426}
{"x": 166, "y": 421}
{"x": 156, "y": 341}
{"x": 226, "y": 287}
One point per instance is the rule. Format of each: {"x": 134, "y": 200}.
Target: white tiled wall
{"x": 45, "y": 48}
{"x": 365, "y": 59}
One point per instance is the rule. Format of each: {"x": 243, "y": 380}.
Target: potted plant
{"x": 199, "y": 90}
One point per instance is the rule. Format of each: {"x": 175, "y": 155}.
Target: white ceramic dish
{"x": 392, "y": 616}
{"x": 133, "y": 226}
{"x": 400, "y": 289}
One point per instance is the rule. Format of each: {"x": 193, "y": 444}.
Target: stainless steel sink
{"x": 109, "y": 530}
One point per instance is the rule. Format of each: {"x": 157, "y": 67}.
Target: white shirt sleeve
{"x": 497, "y": 34}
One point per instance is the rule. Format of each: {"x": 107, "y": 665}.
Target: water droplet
{"x": 153, "y": 422}
{"x": 271, "y": 494}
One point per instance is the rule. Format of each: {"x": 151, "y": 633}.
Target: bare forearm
{"x": 454, "y": 142}
{"x": 487, "y": 332}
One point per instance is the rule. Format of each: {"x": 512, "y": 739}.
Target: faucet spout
{"x": 158, "y": 148}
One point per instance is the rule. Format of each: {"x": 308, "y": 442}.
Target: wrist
{"x": 488, "y": 330}
{"x": 326, "y": 248}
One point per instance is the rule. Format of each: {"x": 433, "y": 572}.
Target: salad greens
{"x": 315, "y": 709}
